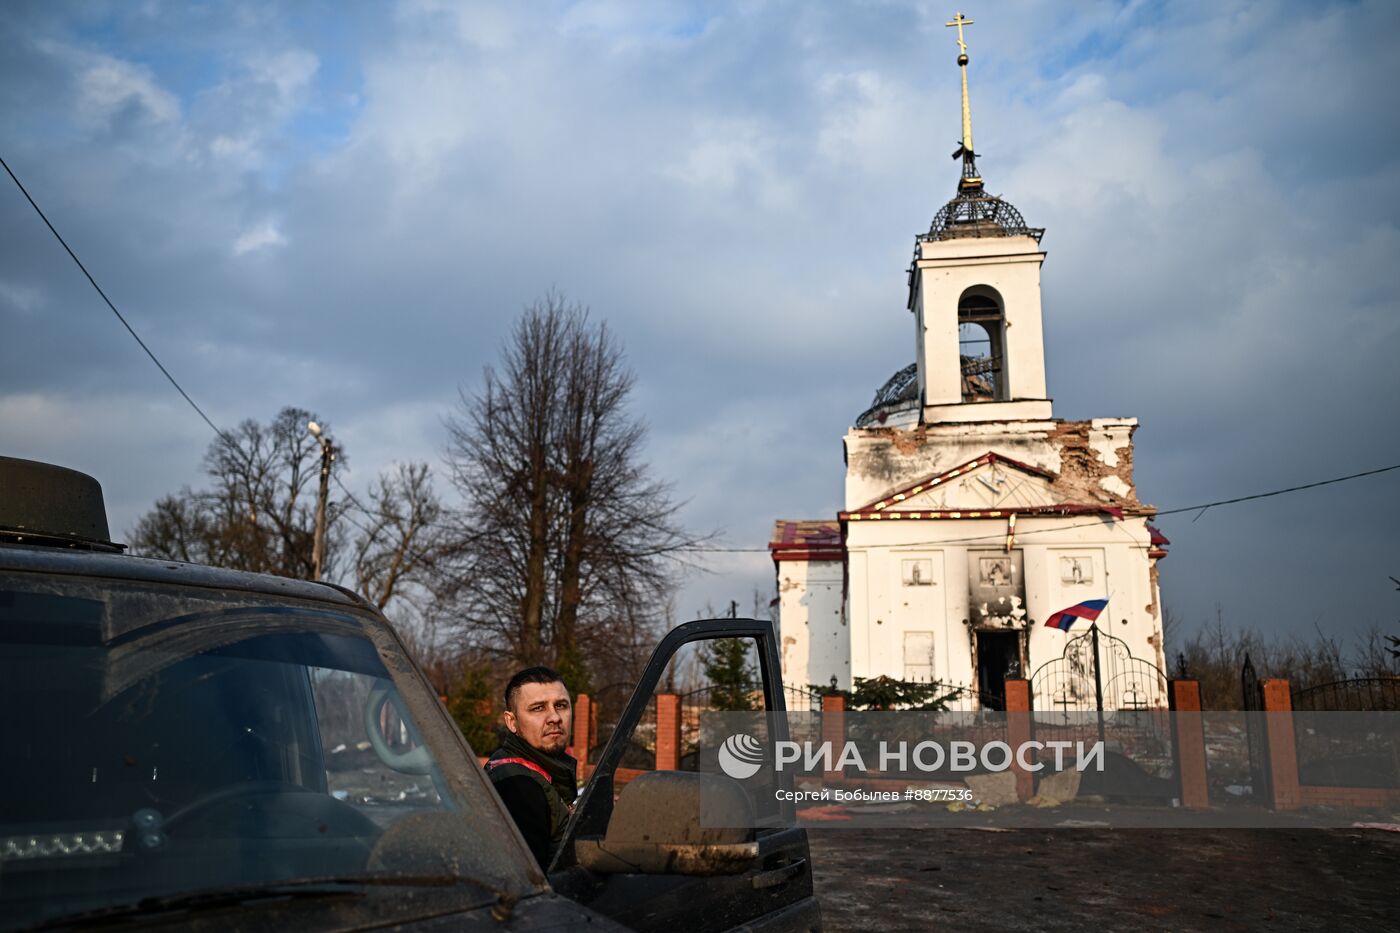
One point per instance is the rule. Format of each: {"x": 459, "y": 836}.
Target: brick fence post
{"x": 668, "y": 732}
{"x": 834, "y": 729}
{"x": 1283, "y": 751}
{"x": 1018, "y": 733}
{"x": 1189, "y": 743}
{"x": 583, "y": 735}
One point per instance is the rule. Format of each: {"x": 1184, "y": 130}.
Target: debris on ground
{"x": 997, "y": 790}
{"x": 1062, "y": 786}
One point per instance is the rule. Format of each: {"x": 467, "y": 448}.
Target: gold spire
{"x": 970, "y": 177}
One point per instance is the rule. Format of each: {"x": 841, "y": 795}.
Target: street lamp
{"x": 318, "y": 546}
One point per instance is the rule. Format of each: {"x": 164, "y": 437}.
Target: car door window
{"x": 738, "y": 875}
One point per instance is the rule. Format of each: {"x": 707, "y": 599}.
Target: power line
{"x": 1280, "y": 492}
{"x": 1001, "y": 535}
{"x": 161, "y": 366}
{"x": 137, "y": 337}
{"x": 351, "y": 496}
{"x": 129, "y": 329}
{"x": 699, "y": 549}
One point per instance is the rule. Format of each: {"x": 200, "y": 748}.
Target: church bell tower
{"x": 974, "y": 290}
{"x": 972, "y": 515}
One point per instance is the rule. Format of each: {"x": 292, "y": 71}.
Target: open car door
{"x": 642, "y": 857}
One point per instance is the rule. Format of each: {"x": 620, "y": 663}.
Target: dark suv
{"x": 186, "y": 745}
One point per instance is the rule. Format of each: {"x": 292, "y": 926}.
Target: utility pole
{"x": 318, "y": 547}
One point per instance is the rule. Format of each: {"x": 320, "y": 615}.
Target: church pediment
{"x": 989, "y": 483}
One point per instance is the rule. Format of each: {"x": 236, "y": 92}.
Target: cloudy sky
{"x": 343, "y": 207}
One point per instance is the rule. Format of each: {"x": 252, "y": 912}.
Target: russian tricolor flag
{"x": 1065, "y": 618}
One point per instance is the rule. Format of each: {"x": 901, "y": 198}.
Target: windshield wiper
{"x": 349, "y": 886}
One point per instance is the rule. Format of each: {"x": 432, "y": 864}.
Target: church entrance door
{"x": 998, "y": 656}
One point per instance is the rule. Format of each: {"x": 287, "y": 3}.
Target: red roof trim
{"x": 807, "y": 540}
{"x": 831, "y": 554}
{"x": 871, "y": 514}
{"x": 984, "y": 460}
{"x": 998, "y": 458}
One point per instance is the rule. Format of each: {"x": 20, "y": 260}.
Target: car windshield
{"x": 167, "y": 740}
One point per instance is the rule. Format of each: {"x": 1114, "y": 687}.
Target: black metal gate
{"x": 1097, "y": 673}
{"x": 1252, "y": 702}
{"x": 1097, "y": 688}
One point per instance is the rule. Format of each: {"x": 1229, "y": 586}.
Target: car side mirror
{"x": 656, "y": 828}
{"x": 386, "y": 729}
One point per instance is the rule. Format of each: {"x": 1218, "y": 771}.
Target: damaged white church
{"x": 972, "y": 514}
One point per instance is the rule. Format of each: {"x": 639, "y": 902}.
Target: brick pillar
{"x": 668, "y": 732}
{"x": 1283, "y": 752}
{"x": 583, "y": 734}
{"x": 1189, "y": 741}
{"x": 1019, "y": 732}
{"x": 834, "y": 729}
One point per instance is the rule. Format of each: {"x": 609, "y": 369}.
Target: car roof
{"x": 147, "y": 570}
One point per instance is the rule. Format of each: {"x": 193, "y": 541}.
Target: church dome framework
{"x": 974, "y": 213}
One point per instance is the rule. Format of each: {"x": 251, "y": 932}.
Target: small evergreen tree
{"x": 731, "y": 676}
{"x": 472, "y": 708}
{"x": 886, "y": 693}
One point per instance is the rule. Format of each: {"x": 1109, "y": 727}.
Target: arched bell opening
{"x": 982, "y": 345}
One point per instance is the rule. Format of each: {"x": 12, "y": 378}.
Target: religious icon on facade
{"x": 917, "y": 572}
{"x": 996, "y": 571}
{"x": 1076, "y": 570}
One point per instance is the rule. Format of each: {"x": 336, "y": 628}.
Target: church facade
{"x": 972, "y": 515}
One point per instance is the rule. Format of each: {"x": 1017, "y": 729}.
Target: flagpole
{"x": 1098, "y": 679}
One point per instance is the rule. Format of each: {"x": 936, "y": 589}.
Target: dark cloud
{"x": 345, "y": 208}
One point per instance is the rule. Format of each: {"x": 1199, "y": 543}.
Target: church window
{"x": 981, "y": 327}
{"x": 918, "y": 656}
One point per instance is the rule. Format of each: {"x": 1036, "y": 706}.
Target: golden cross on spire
{"x": 960, "y": 21}
{"x": 966, "y": 150}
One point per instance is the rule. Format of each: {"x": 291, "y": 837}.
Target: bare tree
{"x": 397, "y": 542}
{"x": 259, "y": 514}
{"x": 570, "y": 537}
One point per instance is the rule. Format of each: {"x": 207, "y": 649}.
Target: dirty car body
{"x": 210, "y": 748}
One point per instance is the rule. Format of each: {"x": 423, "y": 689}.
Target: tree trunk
{"x": 571, "y": 574}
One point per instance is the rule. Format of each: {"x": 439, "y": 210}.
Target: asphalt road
{"x": 1096, "y": 879}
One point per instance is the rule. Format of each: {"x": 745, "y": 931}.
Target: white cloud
{"x": 736, "y": 195}
{"x": 291, "y": 71}
{"x": 730, "y": 158}
{"x": 477, "y": 23}
{"x": 236, "y": 148}
{"x": 258, "y": 237}
{"x": 111, "y": 86}
{"x": 867, "y": 121}
{"x": 22, "y": 298}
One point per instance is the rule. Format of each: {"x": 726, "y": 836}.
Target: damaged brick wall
{"x": 908, "y": 455}
{"x": 1083, "y": 467}
{"x": 1092, "y": 460}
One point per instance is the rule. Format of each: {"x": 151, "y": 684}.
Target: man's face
{"x": 541, "y": 715}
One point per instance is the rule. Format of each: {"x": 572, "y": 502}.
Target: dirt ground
{"x": 1097, "y": 879}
